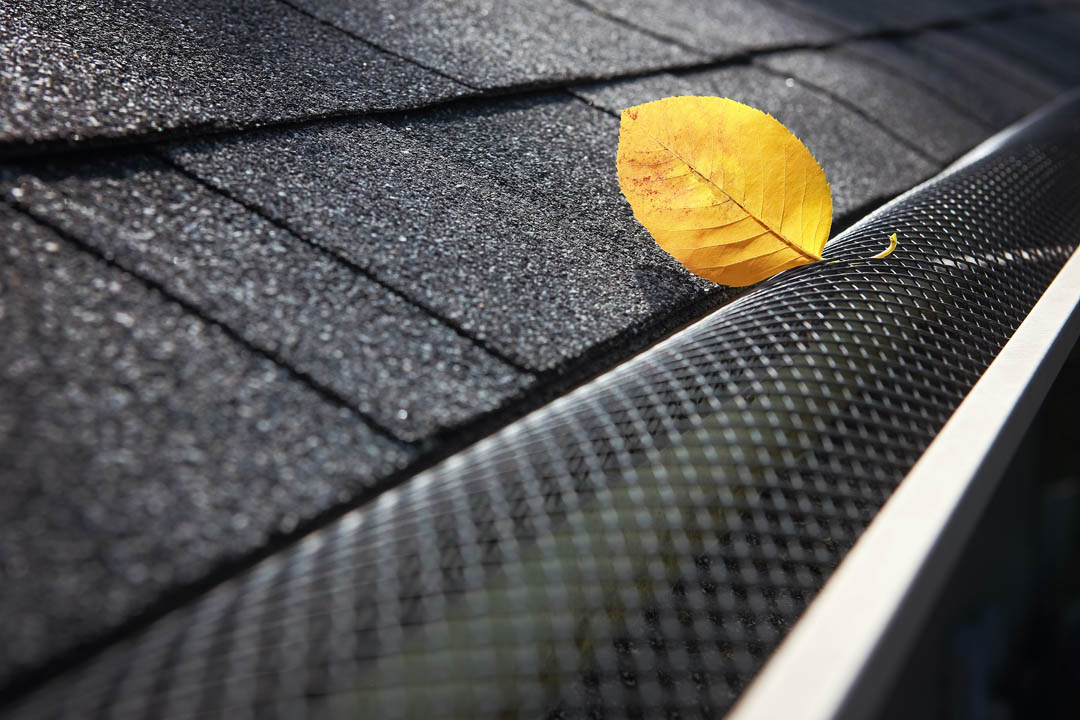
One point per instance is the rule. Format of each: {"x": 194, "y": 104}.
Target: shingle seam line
{"x": 337, "y": 257}
{"x": 847, "y": 35}
{"x": 801, "y": 12}
{"x": 327, "y": 393}
{"x": 59, "y": 146}
{"x": 637, "y": 28}
{"x": 381, "y": 48}
{"x": 844, "y": 102}
{"x": 575, "y": 95}
{"x": 929, "y": 88}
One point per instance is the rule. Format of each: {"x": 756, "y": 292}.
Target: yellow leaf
{"x": 723, "y": 187}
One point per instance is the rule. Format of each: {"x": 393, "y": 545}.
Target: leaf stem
{"x": 884, "y": 253}
{"x": 888, "y": 251}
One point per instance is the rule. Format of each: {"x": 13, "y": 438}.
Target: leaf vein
{"x": 787, "y": 242}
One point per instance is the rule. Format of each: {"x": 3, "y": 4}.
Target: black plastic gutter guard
{"x": 640, "y": 547}
{"x": 847, "y": 649}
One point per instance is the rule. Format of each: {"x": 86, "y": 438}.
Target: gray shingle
{"x": 386, "y": 357}
{"x": 621, "y": 94}
{"x": 964, "y": 75}
{"x": 897, "y": 14}
{"x": 497, "y": 43}
{"x": 922, "y": 120}
{"x": 1044, "y": 44}
{"x": 984, "y": 65}
{"x": 722, "y": 27}
{"x": 507, "y": 217}
{"x": 76, "y": 70}
{"x": 862, "y": 163}
{"x": 140, "y": 447}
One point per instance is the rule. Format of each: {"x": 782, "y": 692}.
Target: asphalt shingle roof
{"x": 142, "y": 446}
{"x": 217, "y": 333}
{"x": 278, "y": 293}
{"x": 501, "y": 43}
{"x": 867, "y": 17}
{"x": 959, "y": 74}
{"x": 921, "y": 120}
{"x": 1044, "y": 42}
{"x": 504, "y": 217}
{"x": 720, "y": 28}
{"x": 74, "y": 71}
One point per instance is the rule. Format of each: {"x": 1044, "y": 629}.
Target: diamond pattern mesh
{"x": 639, "y": 547}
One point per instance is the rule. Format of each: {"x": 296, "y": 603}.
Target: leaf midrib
{"x": 742, "y": 207}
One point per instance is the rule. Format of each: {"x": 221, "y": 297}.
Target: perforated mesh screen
{"x": 638, "y": 548}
